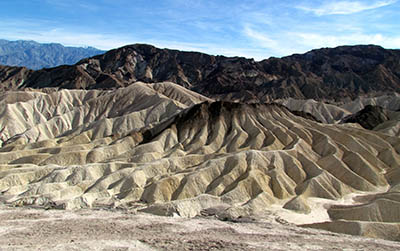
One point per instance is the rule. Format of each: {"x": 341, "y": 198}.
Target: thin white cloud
{"x": 111, "y": 41}
{"x": 263, "y": 40}
{"x": 345, "y": 7}
{"x": 288, "y": 42}
{"x": 314, "y": 40}
{"x": 100, "y": 41}
{"x": 256, "y": 31}
{"x": 273, "y": 46}
{"x": 44, "y": 31}
{"x": 65, "y": 4}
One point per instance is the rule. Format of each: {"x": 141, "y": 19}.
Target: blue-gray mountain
{"x": 35, "y": 55}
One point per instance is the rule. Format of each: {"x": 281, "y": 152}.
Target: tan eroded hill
{"x": 33, "y": 116}
{"x": 343, "y": 111}
{"x": 335, "y": 112}
{"x": 162, "y": 149}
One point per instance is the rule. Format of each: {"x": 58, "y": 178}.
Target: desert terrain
{"x": 165, "y": 165}
{"x": 87, "y": 229}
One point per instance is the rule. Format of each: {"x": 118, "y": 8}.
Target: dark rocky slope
{"x": 13, "y": 77}
{"x": 369, "y": 117}
{"x": 340, "y": 73}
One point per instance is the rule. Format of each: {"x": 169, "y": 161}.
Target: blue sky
{"x": 254, "y": 29}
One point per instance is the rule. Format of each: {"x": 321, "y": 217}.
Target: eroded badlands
{"x": 162, "y": 149}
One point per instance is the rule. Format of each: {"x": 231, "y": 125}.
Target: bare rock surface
{"x": 334, "y": 74}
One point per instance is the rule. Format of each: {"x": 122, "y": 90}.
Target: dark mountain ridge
{"x": 35, "y": 55}
{"x": 344, "y": 72}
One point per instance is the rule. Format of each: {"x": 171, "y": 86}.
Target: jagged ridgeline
{"x": 336, "y": 74}
{"x": 162, "y": 131}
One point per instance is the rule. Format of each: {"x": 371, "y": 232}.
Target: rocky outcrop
{"x": 369, "y": 117}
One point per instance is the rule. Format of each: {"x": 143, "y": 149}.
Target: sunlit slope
{"x": 387, "y": 120}
{"x": 166, "y": 150}
{"x": 41, "y": 115}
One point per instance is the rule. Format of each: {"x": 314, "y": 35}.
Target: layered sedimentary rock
{"x": 162, "y": 149}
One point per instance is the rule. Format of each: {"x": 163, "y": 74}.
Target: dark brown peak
{"x": 151, "y": 53}
{"x": 361, "y": 51}
{"x": 2, "y": 67}
{"x": 116, "y": 54}
{"x": 149, "y": 50}
{"x": 324, "y": 74}
{"x": 369, "y": 117}
{"x": 13, "y": 77}
{"x": 142, "y": 47}
{"x": 65, "y": 76}
{"x": 358, "y": 49}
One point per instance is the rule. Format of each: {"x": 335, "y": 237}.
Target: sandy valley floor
{"x": 38, "y": 229}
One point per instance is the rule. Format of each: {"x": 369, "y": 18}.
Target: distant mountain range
{"x": 36, "y": 56}
{"x": 341, "y": 73}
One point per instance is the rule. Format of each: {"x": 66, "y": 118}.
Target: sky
{"x": 253, "y": 29}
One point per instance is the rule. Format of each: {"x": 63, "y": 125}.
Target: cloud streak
{"x": 66, "y": 37}
{"x": 317, "y": 40}
{"x": 260, "y": 29}
{"x": 344, "y": 7}
{"x": 291, "y": 42}
{"x": 263, "y": 40}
